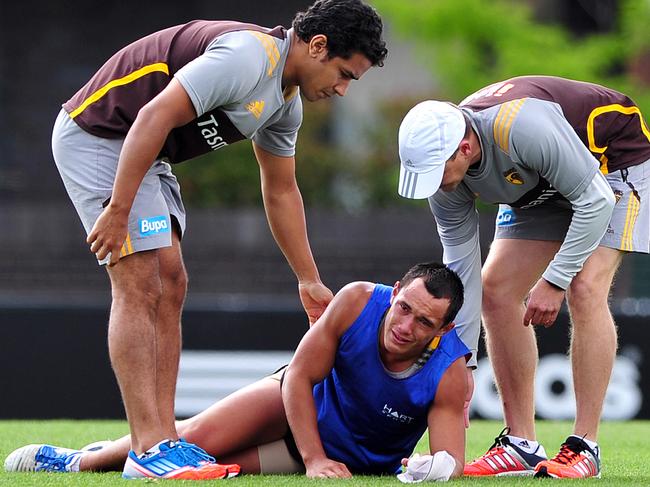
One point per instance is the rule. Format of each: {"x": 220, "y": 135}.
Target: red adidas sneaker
{"x": 575, "y": 461}
{"x": 504, "y": 458}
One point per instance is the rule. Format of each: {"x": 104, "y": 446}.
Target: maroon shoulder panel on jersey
{"x": 109, "y": 103}
{"x": 608, "y": 122}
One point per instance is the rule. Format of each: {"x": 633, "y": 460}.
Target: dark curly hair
{"x": 441, "y": 282}
{"x": 351, "y": 26}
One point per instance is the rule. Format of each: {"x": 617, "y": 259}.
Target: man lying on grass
{"x": 380, "y": 366}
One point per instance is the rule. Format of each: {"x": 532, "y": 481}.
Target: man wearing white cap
{"x": 566, "y": 161}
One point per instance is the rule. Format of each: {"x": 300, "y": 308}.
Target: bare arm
{"x": 286, "y": 216}
{"x": 446, "y": 418}
{"x": 446, "y": 432}
{"x": 312, "y": 362}
{"x": 171, "y": 108}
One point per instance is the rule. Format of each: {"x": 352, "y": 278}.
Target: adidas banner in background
{"x": 217, "y": 361}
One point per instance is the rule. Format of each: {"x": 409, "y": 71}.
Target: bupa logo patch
{"x": 505, "y": 218}
{"x": 153, "y": 225}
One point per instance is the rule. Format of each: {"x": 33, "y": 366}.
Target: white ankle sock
{"x": 73, "y": 466}
{"x": 529, "y": 446}
{"x": 153, "y": 450}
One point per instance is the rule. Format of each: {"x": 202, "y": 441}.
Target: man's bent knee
{"x": 499, "y": 293}
{"x": 587, "y": 295}
{"x": 589, "y": 290}
{"x": 137, "y": 278}
{"x": 175, "y": 288}
{"x": 174, "y": 279}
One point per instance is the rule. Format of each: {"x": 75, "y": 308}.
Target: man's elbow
{"x": 606, "y": 198}
{"x": 275, "y": 193}
{"x": 152, "y": 119}
{"x": 292, "y": 377}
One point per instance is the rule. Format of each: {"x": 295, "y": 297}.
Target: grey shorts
{"x": 87, "y": 165}
{"x": 628, "y": 229}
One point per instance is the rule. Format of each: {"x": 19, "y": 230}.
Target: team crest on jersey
{"x": 256, "y": 108}
{"x": 513, "y": 177}
{"x": 618, "y": 194}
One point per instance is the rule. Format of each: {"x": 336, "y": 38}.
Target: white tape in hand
{"x": 426, "y": 467}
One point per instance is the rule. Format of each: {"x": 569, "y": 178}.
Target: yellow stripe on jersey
{"x": 603, "y": 164}
{"x": 591, "y": 120}
{"x": 125, "y": 80}
{"x": 630, "y": 220}
{"x": 270, "y": 48}
{"x": 434, "y": 343}
{"x": 503, "y": 122}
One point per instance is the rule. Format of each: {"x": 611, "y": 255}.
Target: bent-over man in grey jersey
{"x": 567, "y": 162}
{"x": 166, "y": 98}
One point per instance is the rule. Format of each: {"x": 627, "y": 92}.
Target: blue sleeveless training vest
{"x": 367, "y": 419}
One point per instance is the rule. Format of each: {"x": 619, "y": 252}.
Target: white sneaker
{"x": 43, "y": 458}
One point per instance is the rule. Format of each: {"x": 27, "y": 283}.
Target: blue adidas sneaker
{"x": 199, "y": 453}
{"x": 177, "y": 460}
{"x": 43, "y": 458}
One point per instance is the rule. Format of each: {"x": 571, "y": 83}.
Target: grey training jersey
{"x": 231, "y": 71}
{"x": 544, "y": 140}
{"x": 544, "y": 162}
{"x": 248, "y": 92}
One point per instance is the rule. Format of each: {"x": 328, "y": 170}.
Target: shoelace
{"x": 52, "y": 463}
{"x": 198, "y": 453}
{"x": 498, "y": 441}
{"x": 183, "y": 456}
{"x": 566, "y": 456}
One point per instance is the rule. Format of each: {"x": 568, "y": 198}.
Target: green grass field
{"x": 625, "y": 447}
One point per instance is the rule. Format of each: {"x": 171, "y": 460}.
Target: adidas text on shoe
{"x": 175, "y": 461}
{"x": 574, "y": 461}
{"x": 504, "y": 459}
{"x": 43, "y": 458}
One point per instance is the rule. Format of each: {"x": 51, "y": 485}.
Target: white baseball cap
{"x": 428, "y": 136}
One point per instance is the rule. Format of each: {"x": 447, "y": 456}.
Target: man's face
{"x": 455, "y": 170}
{"x": 322, "y": 77}
{"x": 413, "y": 320}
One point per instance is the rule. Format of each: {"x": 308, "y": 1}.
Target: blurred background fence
{"x": 243, "y": 317}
